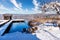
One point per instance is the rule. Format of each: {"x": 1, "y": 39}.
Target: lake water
{"x": 18, "y": 26}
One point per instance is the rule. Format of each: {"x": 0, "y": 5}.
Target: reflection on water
{"x": 18, "y": 26}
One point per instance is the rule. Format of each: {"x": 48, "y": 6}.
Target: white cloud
{"x": 3, "y": 9}
{"x": 16, "y": 4}
{"x": 36, "y": 6}
{"x": 14, "y": 10}
{"x": 18, "y": 8}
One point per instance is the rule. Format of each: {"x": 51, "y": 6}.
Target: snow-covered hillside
{"x": 51, "y": 8}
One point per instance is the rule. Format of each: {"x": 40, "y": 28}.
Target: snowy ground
{"x": 48, "y": 33}
{"x": 3, "y": 21}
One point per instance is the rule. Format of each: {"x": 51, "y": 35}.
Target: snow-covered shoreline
{"x": 48, "y": 33}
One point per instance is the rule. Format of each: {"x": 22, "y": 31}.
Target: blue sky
{"x": 22, "y": 6}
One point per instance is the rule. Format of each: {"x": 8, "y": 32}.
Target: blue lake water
{"x": 18, "y": 26}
